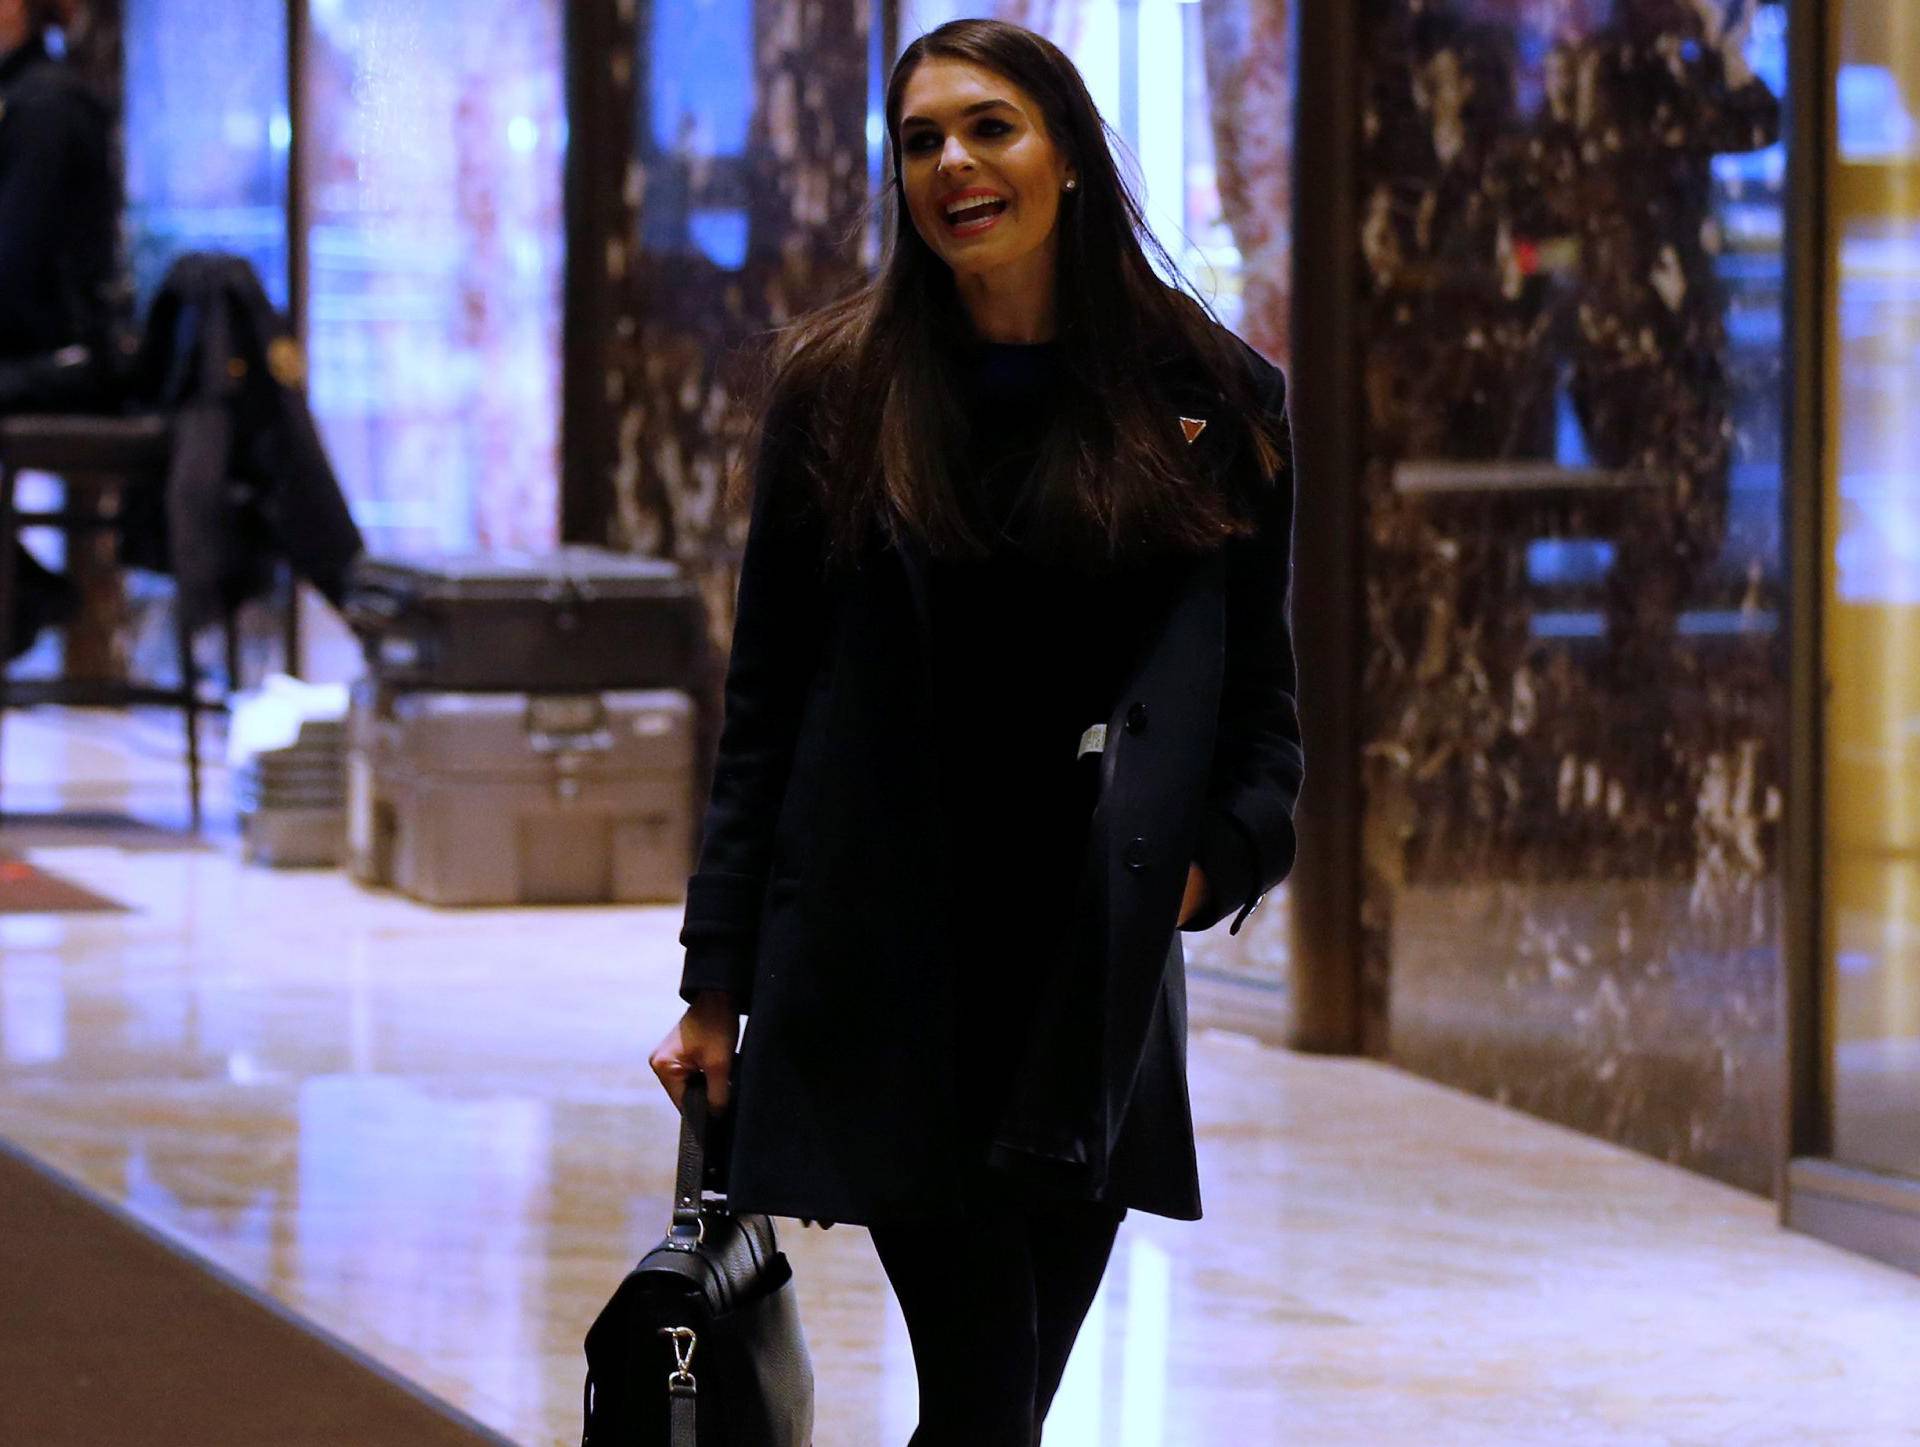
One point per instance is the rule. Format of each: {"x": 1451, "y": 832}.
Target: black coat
{"x": 248, "y": 481}
{"x": 818, "y": 898}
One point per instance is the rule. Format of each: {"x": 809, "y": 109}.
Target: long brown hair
{"x": 875, "y": 376}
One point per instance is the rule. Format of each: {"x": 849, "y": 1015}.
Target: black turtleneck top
{"x": 1027, "y": 653}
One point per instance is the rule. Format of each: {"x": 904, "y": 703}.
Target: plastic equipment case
{"x": 574, "y": 619}
{"x": 518, "y": 798}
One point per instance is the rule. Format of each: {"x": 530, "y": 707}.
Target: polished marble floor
{"x": 434, "y": 1133}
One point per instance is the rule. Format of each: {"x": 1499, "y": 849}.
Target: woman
{"x": 1011, "y": 701}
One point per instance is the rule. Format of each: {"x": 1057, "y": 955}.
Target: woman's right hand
{"x": 703, "y": 1041}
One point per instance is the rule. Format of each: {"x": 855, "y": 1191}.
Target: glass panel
{"x": 435, "y": 154}
{"x": 1873, "y": 603}
{"x": 693, "y": 136}
{"x": 207, "y": 135}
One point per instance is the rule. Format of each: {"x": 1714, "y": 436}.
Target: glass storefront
{"x": 207, "y": 136}
{"x": 1872, "y": 592}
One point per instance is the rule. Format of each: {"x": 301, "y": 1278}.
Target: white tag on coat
{"x": 1093, "y": 741}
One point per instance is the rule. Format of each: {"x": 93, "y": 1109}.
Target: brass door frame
{"x": 1865, "y": 1211}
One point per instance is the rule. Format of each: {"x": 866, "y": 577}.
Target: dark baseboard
{"x": 1874, "y": 1214}
{"x": 1246, "y": 1007}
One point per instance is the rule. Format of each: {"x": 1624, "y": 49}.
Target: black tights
{"x": 993, "y": 1300}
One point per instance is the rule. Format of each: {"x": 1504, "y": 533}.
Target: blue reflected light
{"x": 1874, "y": 124}
{"x": 720, "y": 235}
{"x": 701, "y": 76}
{"x": 1567, "y": 625}
{"x": 1569, "y": 437}
{"x": 1568, "y": 562}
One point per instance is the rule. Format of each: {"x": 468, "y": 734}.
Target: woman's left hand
{"x": 1196, "y": 894}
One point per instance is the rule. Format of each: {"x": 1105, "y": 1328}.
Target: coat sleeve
{"x": 780, "y": 619}
{"x": 1258, "y": 762}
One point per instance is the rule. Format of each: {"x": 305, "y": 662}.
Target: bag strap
{"x": 693, "y": 1159}
{"x": 687, "y": 1231}
{"x": 682, "y": 1394}
{"x": 680, "y": 1427}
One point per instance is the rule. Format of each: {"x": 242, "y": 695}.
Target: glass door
{"x": 1871, "y": 607}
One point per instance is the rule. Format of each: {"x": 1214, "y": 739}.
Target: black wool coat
{"x": 819, "y": 901}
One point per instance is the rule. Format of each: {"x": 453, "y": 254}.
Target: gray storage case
{"x": 516, "y": 798}
{"x": 575, "y": 619}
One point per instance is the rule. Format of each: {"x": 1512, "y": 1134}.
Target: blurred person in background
{"x": 1636, "y": 113}
{"x": 59, "y": 217}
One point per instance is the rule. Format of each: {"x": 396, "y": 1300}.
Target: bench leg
{"x": 7, "y": 540}
{"x": 230, "y": 626}
{"x": 290, "y": 625}
{"x": 190, "y": 702}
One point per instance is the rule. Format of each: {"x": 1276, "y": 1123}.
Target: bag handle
{"x": 690, "y": 1177}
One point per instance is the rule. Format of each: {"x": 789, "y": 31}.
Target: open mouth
{"x": 971, "y": 216}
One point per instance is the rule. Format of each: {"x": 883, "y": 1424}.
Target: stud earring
{"x": 1071, "y": 183}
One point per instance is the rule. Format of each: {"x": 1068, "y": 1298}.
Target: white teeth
{"x": 972, "y": 203}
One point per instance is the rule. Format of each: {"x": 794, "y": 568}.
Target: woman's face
{"x": 982, "y": 178}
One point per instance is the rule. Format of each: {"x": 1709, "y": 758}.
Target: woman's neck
{"x": 1013, "y": 303}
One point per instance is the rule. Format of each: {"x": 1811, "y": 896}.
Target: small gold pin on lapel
{"x": 1193, "y": 426}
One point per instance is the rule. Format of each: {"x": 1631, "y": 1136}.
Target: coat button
{"x": 1135, "y": 856}
{"x": 1137, "y": 719}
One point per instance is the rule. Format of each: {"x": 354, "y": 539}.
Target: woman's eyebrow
{"x": 974, "y": 109}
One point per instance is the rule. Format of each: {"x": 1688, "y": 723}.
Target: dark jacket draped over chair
{"x": 248, "y": 482}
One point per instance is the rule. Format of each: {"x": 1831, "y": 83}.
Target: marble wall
{"x": 1573, "y": 706}
{"x": 741, "y": 210}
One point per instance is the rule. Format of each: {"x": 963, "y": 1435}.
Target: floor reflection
{"x": 434, "y": 1133}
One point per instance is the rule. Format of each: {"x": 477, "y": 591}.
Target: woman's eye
{"x": 927, "y": 140}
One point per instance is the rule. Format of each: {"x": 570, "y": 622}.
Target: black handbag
{"x": 701, "y": 1345}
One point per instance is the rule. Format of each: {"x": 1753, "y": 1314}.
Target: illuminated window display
{"x": 434, "y": 155}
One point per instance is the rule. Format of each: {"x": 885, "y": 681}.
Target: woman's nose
{"x": 953, "y": 155}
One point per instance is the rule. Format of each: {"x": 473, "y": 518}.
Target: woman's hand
{"x": 1196, "y": 894}
{"x": 704, "y": 1040}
